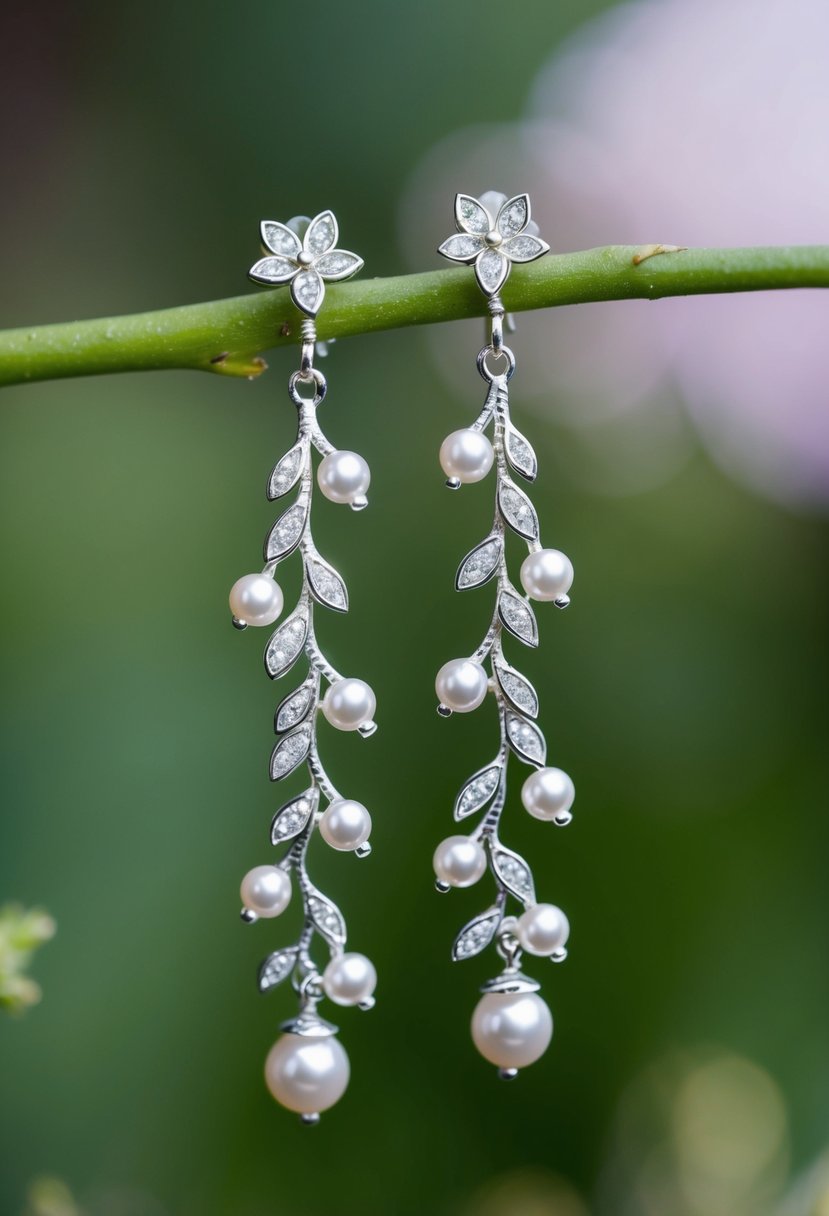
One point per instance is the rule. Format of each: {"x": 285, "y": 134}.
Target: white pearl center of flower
{"x": 305, "y": 259}
{"x": 493, "y": 239}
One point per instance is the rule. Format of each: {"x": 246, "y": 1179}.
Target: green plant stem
{"x": 226, "y": 336}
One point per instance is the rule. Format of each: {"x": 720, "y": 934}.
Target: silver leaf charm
{"x": 285, "y": 645}
{"x": 516, "y": 688}
{"x": 513, "y": 872}
{"x": 286, "y": 472}
{"x": 327, "y": 917}
{"x": 276, "y": 968}
{"x": 518, "y": 618}
{"x": 292, "y": 709}
{"x": 517, "y": 510}
{"x": 477, "y": 791}
{"x": 480, "y": 564}
{"x": 525, "y": 739}
{"x": 290, "y": 751}
{"x": 520, "y": 454}
{"x": 291, "y": 818}
{"x": 476, "y": 936}
{"x": 287, "y": 532}
{"x": 327, "y": 586}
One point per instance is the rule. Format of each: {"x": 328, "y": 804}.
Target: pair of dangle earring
{"x": 307, "y": 1069}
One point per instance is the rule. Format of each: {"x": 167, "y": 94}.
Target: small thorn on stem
{"x": 452, "y": 483}
{"x": 249, "y": 917}
{"x": 237, "y": 624}
{"x": 444, "y": 711}
{"x": 507, "y": 1074}
{"x": 562, "y": 601}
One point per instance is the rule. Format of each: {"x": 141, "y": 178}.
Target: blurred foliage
{"x": 21, "y": 932}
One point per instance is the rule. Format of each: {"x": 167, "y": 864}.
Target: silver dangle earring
{"x": 307, "y": 1069}
{"x": 511, "y": 1026}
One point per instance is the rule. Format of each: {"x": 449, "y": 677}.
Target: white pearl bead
{"x": 461, "y": 685}
{"x": 546, "y": 575}
{"x": 349, "y": 979}
{"x": 266, "y": 890}
{"x": 512, "y": 1029}
{"x": 343, "y": 476}
{"x": 466, "y": 455}
{"x": 543, "y": 929}
{"x": 459, "y": 861}
{"x": 548, "y": 793}
{"x": 307, "y": 1074}
{"x": 256, "y": 599}
{"x": 345, "y": 824}
{"x": 349, "y": 704}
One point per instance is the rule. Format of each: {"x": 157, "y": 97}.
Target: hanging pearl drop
{"x": 461, "y": 685}
{"x": 459, "y": 861}
{"x": 256, "y": 599}
{"x": 266, "y": 890}
{"x": 349, "y": 704}
{"x": 345, "y": 824}
{"x": 548, "y": 793}
{"x": 349, "y": 979}
{"x": 343, "y": 476}
{"x": 512, "y": 1029}
{"x": 546, "y": 575}
{"x": 466, "y": 455}
{"x": 307, "y": 1074}
{"x": 543, "y": 929}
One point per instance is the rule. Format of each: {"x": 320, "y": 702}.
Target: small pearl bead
{"x": 466, "y": 455}
{"x": 459, "y": 861}
{"x": 512, "y": 1029}
{"x": 307, "y": 1074}
{"x": 548, "y": 793}
{"x": 345, "y": 824}
{"x": 266, "y": 890}
{"x": 349, "y": 704}
{"x": 546, "y": 575}
{"x": 256, "y": 599}
{"x": 461, "y": 685}
{"x": 543, "y": 929}
{"x": 343, "y": 476}
{"x": 349, "y": 979}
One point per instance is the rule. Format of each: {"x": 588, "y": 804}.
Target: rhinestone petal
{"x": 470, "y": 216}
{"x": 289, "y": 752}
{"x": 338, "y": 264}
{"x": 291, "y": 818}
{"x": 327, "y": 918}
{"x": 524, "y": 248}
{"x": 307, "y": 291}
{"x": 476, "y": 936}
{"x": 285, "y": 645}
{"x": 322, "y": 233}
{"x": 520, "y": 454}
{"x": 491, "y": 269}
{"x": 327, "y": 585}
{"x": 462, "y": 247}
{"x": 272, "y": 270}
{"x": 517, "y": 688}
{"x": 286, "y": 533}
{"x": 279, "y": 239}
{"x": 276, "y": 968}
{"x": 477, "y": 791}
{"x": 517, "y": 510}
{"x": 286, "y": 472}
{"x": 514, "y": 215}
{"x": 526, "y": 740}
{"x": 479, "y": 565}
{"x": 518, "y": 618}
{"x": 512, "y": 870}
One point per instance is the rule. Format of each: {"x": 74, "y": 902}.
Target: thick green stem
{"x": 226, "y": 336}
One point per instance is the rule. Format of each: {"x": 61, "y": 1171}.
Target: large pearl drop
{"x": 459, "y": 861}
{"x": 546, "y": 575}
{"x": 512, "y": 1029}
{"x": 349, "y": 704}
{"x": 461, "y": 685}
{"x": 343, "y": 476}
{"x": 466, "y": 455}
{"x": 266, "y": 890}
{"x": 345, "y": 824}
{"x": 548, "y": 794}
{"x": 256, "y": 599}
{"x": 349, "y": 979}
{"x": 543, "y": 929}
{"x": 307, "y": 1074}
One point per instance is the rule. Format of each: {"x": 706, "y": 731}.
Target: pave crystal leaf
{"x": 290, "y": 751}
{"x": 512, "y": 870}
{"x": 272, "y": 270}
{"x": 293, "y": 708}
{"x": 285, "y": 645}
{"x": 321, "y": 234}
{"x": 477, "y": 791}
{"x": 514, "y": 216}
{"x": 520, "y": 454}
{"x": 280, "y": 239}
{"x": 327, "y": 917}
{"x": 517, "y": 510}
{"x": 461, "y": 247}
{"x": 479, "y": 565}
{"x": 326, "y": 584}
{"x": 491, "y": 269}
{"x": 286, "y": 472}
{"x": 286, "y": 533}
{"x": 524, "y": 248}
{"x": 307, "y": 291}
{"x": 516, "y": 688}
{"x": 526, "y": 740}
{"x": 276, "y": 968}
{"x": 290, "y": 819}
{"x": 476, "y": 936}
{"x": 518, "y": 618}
{"x": 470, "y": 216}
{"x": 338, "y": 264}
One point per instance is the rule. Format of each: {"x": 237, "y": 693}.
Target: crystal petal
{"x": 338, "y": 264}
{"x": 279, "y": 239}
{"x": 479, "y": 565}
{"x": 272, "y": 270}
{"x": 470, "y": 216}
{"x": 517, "y": 510}
{"x": 477, "y": 791}
{"x": 491, "y": 270}
{"x": 286, "y": 472}
{"x": 476, "y": 936}
{"x": 291, "y": 818}
{"x": 307, "y": 291}
{"x": 462, "y": 247}
{"x": 512, "y": 870}
{"x": 286, "y": 533}
{"x": 276, "y": 968}
{"x": 526, "y": 740}
{"x": 285, "y": 645}
{"x": 524, "y": 248}
{"x": 514, "y": 216}
{"x": 322, "y": 233}
{"x": 518, "y": 618}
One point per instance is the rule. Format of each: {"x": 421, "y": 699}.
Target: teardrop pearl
{"x": 307, "y": 1074}
{"x": 512, "y": 1029}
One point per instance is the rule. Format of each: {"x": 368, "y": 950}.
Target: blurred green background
{"x": 685, "y": 690}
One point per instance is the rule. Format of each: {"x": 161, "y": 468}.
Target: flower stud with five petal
{"x": 493, "y": 232}
{"x": 304, "y": 263}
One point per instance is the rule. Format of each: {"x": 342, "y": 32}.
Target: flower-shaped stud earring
{"x": 493, "y": 232}
{"x": 302, "y": 253}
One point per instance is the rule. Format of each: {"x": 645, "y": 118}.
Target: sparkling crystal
{"x": 276, "y": 968}
{"x": 526, "y": 739}
{"x": 521, "y": 455}
{"x": 289, "y": 752}
{"x": 492, "y": 269}
{"x": 518, "y": 689}
{"x": 518, "y": 511}
{"x": 477, "y": 935}
{"x": 286, "y": 533}
{"x": 514, "y": 873}
{"x": 471, "y": 215}
{"x": 338, "y": 264}
{"x": 327, "y": 585}
{"x": 307, "y": 290}
{"x": 286, "y": 644}
{"x": 524, "y": 248}
{"x": 461, "y": 247}
{"x": 479, "y": 565}
{"x": 513, "y": 216}
{"x": 286, "y": 472}
{"x": 322, "y": 234}
{"x": 518, "y": 618}
{"x": 280, "y": 239}
{"x": 292, "y": 817}
{"x": 272, "y": 270}
{"x": 327, "y": 918}
{"x": 293, "y": 709}
{"x": 477, "y": 791}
